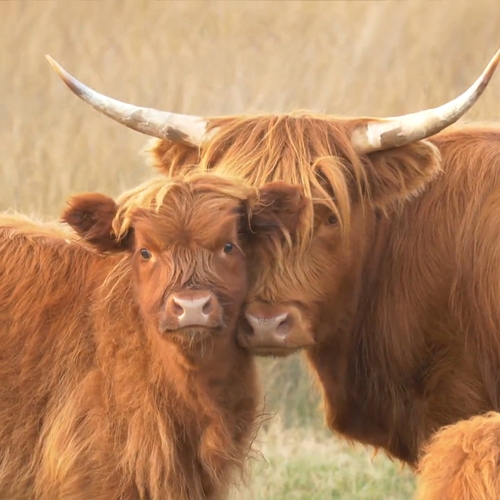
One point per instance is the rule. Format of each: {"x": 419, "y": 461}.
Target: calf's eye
{"x": 228, "y": 248}
{"x": 145, "y": 253}
{"x": 332, "y": 220}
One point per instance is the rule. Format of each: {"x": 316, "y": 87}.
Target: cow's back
{"x": 461, "y": 461}
{"x": 462, "y": 208}
{"x": 46, "y": 284}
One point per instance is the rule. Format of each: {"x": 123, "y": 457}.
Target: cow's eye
{"x": 228, "y": 248}
{"x": 332, "y": 220}
{"x": 145, "y": 253}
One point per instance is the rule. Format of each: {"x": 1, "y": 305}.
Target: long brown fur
{"x": 97, "y": 403}
{"x": 400, "y": 295}
{"x": 462, "y": 461}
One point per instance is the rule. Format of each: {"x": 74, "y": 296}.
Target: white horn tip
{"x": 175, "y": 127}
{"x": 55, "y": 66}
{"x": 71, "y": 82}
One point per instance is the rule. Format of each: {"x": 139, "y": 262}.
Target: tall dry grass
{"x": 213, "y": 57}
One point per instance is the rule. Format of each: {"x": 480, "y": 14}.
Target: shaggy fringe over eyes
{"x": 313, "y": 152}
{"x": 310, "y": 150}
{"x": 151, "y": 195}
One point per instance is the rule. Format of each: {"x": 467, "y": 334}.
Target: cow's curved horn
{"x": 397, "y": 131}
{"x": 175, "y": 127}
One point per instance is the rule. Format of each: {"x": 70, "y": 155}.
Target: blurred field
{"x": 214, "y": 57}
{"x": 307, "y": 464}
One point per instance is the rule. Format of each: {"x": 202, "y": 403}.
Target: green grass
{"x": 306, "y": 463}
{"x": 301, "y": 460}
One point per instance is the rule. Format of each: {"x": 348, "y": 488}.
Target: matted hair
{"x": 311, "y": 150}
{"x": 262, "y": 149}
{"x": 151, "y": 194}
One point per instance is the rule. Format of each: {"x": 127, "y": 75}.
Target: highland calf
{"x": 462, "y": 461}
{"x": 391, "y": 285}
{"x": 120, "y": 373}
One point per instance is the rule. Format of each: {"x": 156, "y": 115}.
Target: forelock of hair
{"x": 313, "y": 151}
{"x": 152, "y": 195}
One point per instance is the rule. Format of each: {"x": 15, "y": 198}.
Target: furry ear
{"x": 91, "y": 216}
{"x": 395, "y": 174}
{"x": 279, "y": 208}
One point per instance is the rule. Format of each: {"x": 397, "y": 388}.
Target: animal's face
{"x": 305, "y": 295}
{"x": 290, "y": 297}
{"x": 188, "y": 264}
{"x": 187, "y": 244}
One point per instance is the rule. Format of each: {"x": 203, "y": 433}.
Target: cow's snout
{"x": 190, "y": 309}
{"x": 274, "y": 329}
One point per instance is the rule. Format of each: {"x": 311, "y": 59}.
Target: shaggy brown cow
{"x": 120, "y": 373}
{"x": 391, "y": 283}
{"x": 462, "y": 461}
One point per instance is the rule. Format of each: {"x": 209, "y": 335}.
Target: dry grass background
{"x": 214, "y": 57}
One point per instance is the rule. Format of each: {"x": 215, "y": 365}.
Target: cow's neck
{"x": 366, "y": 378}
{"x": 189, "y": 366}
{"x": 198, "y": 417}
{"x": 214, "y": 414}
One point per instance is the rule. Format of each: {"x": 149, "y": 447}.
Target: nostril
{"x": 246, "y": 326}
{"x": 177, "y": 309}
{"x": 208, "y": 306}
{"x": 251, "y": 325}
{"x": 283, "y": 326}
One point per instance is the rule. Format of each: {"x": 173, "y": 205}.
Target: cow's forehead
{"x": 203, "y": 200}
{"x": 201, "y": 223}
